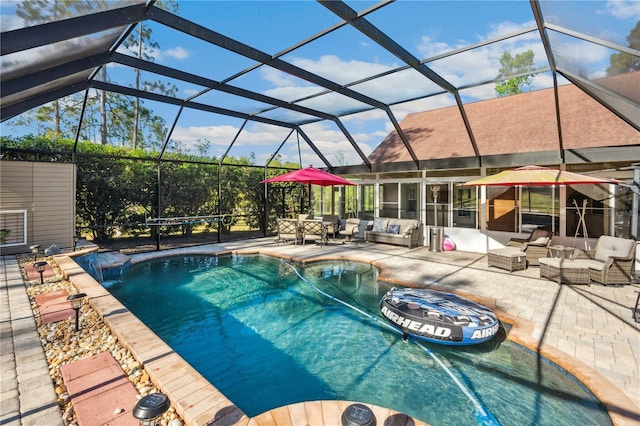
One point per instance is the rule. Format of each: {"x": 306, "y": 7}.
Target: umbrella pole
{"x": 553, "y": 209}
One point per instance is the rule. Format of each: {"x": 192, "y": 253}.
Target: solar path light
{"x": 34, "y": 249}
{"x": 40, "y": 267}
{"x": 358, "y": 415}
{"x": 150, "y": 408}
{"x": 76, "y": 303}
{"x": 76, "y": 239}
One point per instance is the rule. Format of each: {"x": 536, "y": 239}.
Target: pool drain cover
{"x": 358, "y": 415}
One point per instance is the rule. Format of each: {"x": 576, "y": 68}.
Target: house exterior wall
{"x": 46, "y": 191}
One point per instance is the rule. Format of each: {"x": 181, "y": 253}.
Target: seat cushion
{"x": 596, "y": 265}
{"x": 558, "y": 262}
{"x": 508, "y": 252}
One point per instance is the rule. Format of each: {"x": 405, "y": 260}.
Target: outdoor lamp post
{"x": 76, "y": 303}
{"x": 40, "y": 266}
{"x": 76, "y": 238}
{"x": 435, "y": 189}
{"x": 150, "y": 408}
{"x": 34, "y": 249}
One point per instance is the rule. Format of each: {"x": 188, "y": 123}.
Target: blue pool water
{"x": 266, "y": 338}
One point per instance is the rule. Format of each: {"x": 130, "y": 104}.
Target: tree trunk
{"x": 103, "y": 111}
{"x": 56, "y": 115}
{"x": 137, "y": 107}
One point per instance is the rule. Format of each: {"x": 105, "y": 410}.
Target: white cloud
{"x": 257, "y": 136}
{"x": 177, "y": 53}
{"x": 158, "y": 55}
{"x": 507, "y": 27}
{"x": 336, "y": 69}
{"x": 10, "y": 22}
{"x": 622, "y": 9}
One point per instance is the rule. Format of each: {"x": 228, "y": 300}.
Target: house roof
{"x": 519, "y": 123}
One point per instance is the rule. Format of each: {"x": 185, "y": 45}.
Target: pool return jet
{"x": 483, "y": 415}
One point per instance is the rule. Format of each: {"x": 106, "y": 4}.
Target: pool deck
{"x": 588, "y": 330}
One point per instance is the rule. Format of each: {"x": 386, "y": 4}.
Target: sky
{"x": 426, "y": 29}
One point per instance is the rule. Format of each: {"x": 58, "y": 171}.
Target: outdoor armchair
{"x": 539, "y": 235}
{"x": 611, "y": 261}
{"x": 536, "y": 246}
{"x": 351, "y": 229}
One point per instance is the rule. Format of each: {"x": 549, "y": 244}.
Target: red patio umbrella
{"x": 310, "y": 175}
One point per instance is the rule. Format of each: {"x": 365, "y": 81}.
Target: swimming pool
{"x": 266, "y": 338}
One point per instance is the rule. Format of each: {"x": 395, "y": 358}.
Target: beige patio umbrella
{"x": 542, "y": 176}
{"x": 537, "y": 176}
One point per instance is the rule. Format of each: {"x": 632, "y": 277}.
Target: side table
{"x": 562, "y": 252}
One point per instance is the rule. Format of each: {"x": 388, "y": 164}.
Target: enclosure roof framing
{"x": 54, "y": 57}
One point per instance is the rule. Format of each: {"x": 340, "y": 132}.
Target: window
{"x": 410, "y": 202}
{"x": 13, "y": 228}
{"x": 464, "y": 207}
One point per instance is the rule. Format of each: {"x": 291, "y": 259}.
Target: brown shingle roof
{"x": 518, "y": 123}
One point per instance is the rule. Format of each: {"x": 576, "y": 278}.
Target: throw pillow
{"x": 380, "y": 224}
{"x": 394, "y": 229}
{"x": 409, "y": 229}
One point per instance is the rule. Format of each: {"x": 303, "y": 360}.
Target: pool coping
{"x": 198, "y": 402}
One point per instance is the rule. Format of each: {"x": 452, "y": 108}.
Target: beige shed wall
{"x": 47, "y": 192}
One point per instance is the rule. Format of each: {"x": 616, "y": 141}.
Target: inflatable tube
{"x": 438, "y": 317}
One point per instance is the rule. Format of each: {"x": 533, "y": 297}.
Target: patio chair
{"x": 611, "y": 261}
{"x": 313, "y": 230}
{"x": 303, "y": 216}
{"x": 287, "y": 230}
{"x": 536, "y": 246}
{"x": 335, "y": 223}
{"x": 351, "y": 229}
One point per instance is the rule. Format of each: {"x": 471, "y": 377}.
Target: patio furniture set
{"x": 306, "y": 228}
{"x": 611, "y": 262}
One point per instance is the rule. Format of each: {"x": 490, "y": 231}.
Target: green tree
{"x": 110, "y": 190}
{"x": 511, "y": 66}
{"x": 620, "y": 63}
{"x": 115, "y": 193}
{"x": 186, "y": 189}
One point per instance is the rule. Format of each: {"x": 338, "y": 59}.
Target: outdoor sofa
{"x": 403, "y": 232}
